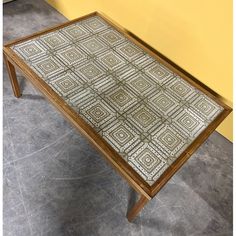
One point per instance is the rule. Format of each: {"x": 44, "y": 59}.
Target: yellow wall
{"x": 196, "y": 35}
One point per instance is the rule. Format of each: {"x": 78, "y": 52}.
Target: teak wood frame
{"x": 147, "y": 192}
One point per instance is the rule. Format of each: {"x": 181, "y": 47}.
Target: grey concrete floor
{"x": 56, "y": 184}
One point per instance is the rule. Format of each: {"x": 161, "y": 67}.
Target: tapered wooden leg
{"x": 137, "y": 208}
{"x": 12, "y": 75}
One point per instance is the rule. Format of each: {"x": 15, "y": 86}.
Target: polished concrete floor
{"x": 56, "y": 184}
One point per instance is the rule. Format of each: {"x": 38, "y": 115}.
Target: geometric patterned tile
{"x": 141, "y": 84}
{"x": 96, "y": 113}
{"x": 70, "y": 55}
{"x": 121, "y": 74}
{"x": 54, "y": 40}
{"x": 170, "y": 141}
{"x": 143, "y": 62}
{"x": 30, "y": 50}
{"x": 206, "y": 107}
{"x": 189, "y": 122}
{"x": 164, "y": 103}
{"x": 129, "y": 51}
{"x": 92, "y": 45}
{"x": 149, "y": 163}
{"x": 89, "y": 71}
{"x": 143, "y": 118}
{"x": 181, "y": 89}
{"x": 120, "y": 98}
{"x": 111, "y": 37}
{"x": 48, "y": 66}
{"x": 66, "y": 84}
{"x": 101, "y": 85}
{"x": 120, "y": 136}
{"x": 146, "y": 112}
{"x": 111, "y": 60}
{"x": 95, "y": 24}
{"x": 75, "y": 32}
{"x": 159, "y": 73}
{"x": 84, "y": 95}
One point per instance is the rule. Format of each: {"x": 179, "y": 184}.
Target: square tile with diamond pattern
{"x": 146, "y": 112}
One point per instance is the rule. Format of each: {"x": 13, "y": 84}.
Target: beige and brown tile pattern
{"x": 147, "y": 113}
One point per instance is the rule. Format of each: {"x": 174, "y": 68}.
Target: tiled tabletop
{"x": 146, "y": 112}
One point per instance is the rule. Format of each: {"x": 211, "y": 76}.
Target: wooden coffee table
{"x": 140, "y": 110}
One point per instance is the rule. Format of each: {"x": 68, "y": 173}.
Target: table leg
{"x": 137, "y": 208}
{"x": 12, "y": 75}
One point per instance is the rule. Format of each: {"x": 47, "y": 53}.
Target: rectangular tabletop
{"x": 145, "y": 115}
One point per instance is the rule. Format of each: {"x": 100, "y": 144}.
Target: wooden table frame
{"x": 147, "y": 192}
